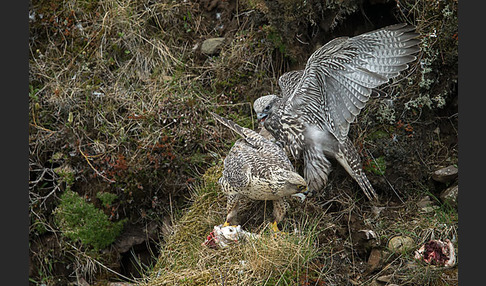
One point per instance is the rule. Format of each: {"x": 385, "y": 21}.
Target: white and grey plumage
{"x": 257, "y": 169}
{"x": 311, "y": 117}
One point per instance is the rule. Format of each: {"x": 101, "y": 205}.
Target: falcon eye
{"x": 266, "y": 108}
{"x": 301, "y": 187}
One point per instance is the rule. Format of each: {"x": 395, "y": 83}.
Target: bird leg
{"x": 275, "y": 227}
{"x": 280, "y": 207}
{"x": 232, "y": 206}
{"x": 235, "y": 203}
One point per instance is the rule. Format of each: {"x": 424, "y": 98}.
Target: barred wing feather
{"x": 339, "y": 78}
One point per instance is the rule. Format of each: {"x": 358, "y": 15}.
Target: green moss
{"x": 377, "y": 166}
{"x": 379, "y": 134}
{"x": 33, "y": 93}
{"x": 106, "y": 198}
{"x": 82, "y": 221}
{"x": 277, "y": 41}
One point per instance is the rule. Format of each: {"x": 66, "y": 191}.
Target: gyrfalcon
{"x": 312, "y": 115}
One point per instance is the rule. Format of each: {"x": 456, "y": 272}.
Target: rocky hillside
{"x": 120, "y": 137}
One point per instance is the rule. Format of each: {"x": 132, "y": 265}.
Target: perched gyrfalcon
{"x": 312, "y": 115}
{"x": 257, "y": 169}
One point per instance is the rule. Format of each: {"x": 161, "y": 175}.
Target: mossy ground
{"x": 119, "y": 96}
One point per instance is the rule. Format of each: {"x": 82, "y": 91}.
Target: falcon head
{"x": 289, "y": 183}
{"x": 263, "y": 106}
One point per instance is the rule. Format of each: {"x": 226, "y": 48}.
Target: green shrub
{"x": 80, "y": 220}
{"x": 106, "y": 198}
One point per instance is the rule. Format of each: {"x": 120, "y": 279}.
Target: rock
{"x": 425, "y": 205}
{"x": 375, "y": 260}
{"x": 424, "y": 202}
{"x": 135, "y": 234}
{"x": 449, "y": 196}
{"x": 211, "y": 46}
{"x": 445, "y": 175}
{"x": 123, "y": 245}
{"x": 365, "y": 239}
{"x": 429, "y": 209}
{"x": 401, "y": 243}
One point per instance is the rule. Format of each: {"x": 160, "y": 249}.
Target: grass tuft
{"x": 269, "y": 260}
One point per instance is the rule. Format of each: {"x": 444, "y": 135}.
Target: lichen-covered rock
{"x": 211, "y": 46}
{"x": 445, "y": 175}
{"x": 449, "y": 195}
{"x": 401, "y": 243}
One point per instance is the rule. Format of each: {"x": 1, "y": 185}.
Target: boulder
{"x": 385, "y": 278}
{"x": 425, "y": 205}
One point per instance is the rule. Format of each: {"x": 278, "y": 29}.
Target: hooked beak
{"x": 301, "y": 196}
{"x": 261, "y": 116}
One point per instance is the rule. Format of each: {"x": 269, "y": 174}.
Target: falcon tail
{"x": 243, "y": 132}
{"x": 250, "y": 136}
{"x": 352, "y": 164}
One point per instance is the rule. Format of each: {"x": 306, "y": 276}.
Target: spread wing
{"x": 289, "y": 81}
{"x": 339, "y": 78}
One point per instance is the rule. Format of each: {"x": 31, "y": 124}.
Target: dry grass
{"x": 122, "y": 82}
{"x": 269, "y": 259}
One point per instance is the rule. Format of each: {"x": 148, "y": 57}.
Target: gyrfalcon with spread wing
{"x": 312, "y": 115}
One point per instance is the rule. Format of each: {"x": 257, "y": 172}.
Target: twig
{"x": 94, "y": 169}
{"x": 33, "y": 197}
{"x": 44, "y": 171}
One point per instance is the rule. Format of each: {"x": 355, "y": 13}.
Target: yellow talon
{"x": 275, "y": 227}
{"x": 226, "y": 224}
{"x": 276, "y": 230}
